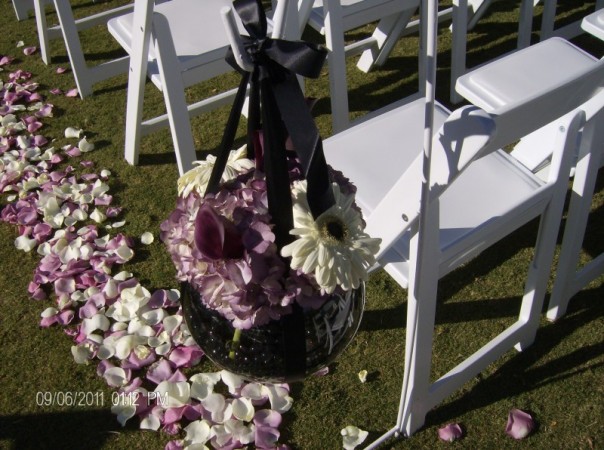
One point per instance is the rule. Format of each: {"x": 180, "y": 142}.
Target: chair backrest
{"x": 468, "y": 134}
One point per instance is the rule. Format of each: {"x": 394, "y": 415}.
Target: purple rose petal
{"x": 520, "y": 424}
{"x": 450, "y": 432}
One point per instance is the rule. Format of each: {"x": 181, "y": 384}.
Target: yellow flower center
{"x": 332, "y": 229}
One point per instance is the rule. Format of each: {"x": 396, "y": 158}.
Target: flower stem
{"x": 235, "y": 342}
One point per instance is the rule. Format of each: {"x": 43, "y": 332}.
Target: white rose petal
{"x": 353, "y": 436}
{"x": 218, "y": 406}
{"x": 82, "y": 353}
{"x": 115, "y": 376}
{"x": 363, "y": 376}
{"x": 198, "y": 432}
{"x": 177, "y": 393}
{"x": 147, "y": 238}
{"x": 96, "y": 322}
{"x": 49, "y": 312}
{"x": 279, "y": 398}
{"x": 243, "y": 409}
{"x": 231, "y": 380}
{"x": 150, "y": 422}
{"x": 73, "y": 132}
{"x": 123, "y": 411}
{"x": 85, "y": 146}
{"x": 98, "y": 216}
{"x": 24, "y": 243}
{"x": 123, "y": 276}
{"x": 125, "y": 252}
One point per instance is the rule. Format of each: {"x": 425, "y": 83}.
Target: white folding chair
{"x": 529, "y": 71}
{"x": 569, "y": 278}
{"x": 166, "y": 43}
{"x": 477, "y": 195}
{"x": 335, "y": 17}
{"x": 68, "y": 28}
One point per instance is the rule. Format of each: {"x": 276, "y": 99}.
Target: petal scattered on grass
{"x": 352, "y": 437}
{"x": 450, "y": 432}
{"x": 30, "y": 50}
{"x": 73, "y": 132}
{"x": 363, "y": 376}
{"x": 147, "y": 238}
{"x": 520, "y": 424}
{"x": 85, "y": 146}
{"x": 72, "y": 93}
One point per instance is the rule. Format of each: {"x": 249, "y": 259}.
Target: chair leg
{"x": 174, "y": 95}
{"x": 386, "y": 35}
{"x": 539, "y": 271}
{"x": 338, "y": 85}
{"x": 548, "y": 19}
{"x": 421, "y": 312}
{"x": 137, "y": 75}
{"x": 74, "y": 47}
{"x": 568, "y": 281}
{"x": 42, "y": 28}
{"x": 458, "y": 46}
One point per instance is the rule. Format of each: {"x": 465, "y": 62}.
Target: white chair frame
{"x": 427, "y": 260}
{"x": 85, "y": 76}
{"x": 151, "y": 30}
{"x": 569, "y": 278}
{"x": 334, "y": 19}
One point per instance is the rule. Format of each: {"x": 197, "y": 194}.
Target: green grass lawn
{"x": 559, "y": 379}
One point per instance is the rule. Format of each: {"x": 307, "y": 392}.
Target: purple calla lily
{"x": 215, "y": 236}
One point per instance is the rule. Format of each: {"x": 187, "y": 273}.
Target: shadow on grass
{"x": 58, "y": 430}
{"x": 532, "y": 369}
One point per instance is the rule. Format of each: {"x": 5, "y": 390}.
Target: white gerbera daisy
{"x": 197, "y": 178}
{"x": 334, "y": 246}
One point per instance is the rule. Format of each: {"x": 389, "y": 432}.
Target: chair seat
{"x": 501, "y": 181}
{"x": 192, "y": 49}
{"x": 523, "y": 74}
{"x": 594, "y": 24}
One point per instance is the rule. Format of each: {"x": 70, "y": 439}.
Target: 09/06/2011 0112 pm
{"x": 86, "y": 399}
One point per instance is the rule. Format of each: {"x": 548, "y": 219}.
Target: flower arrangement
{"x": 267, "y": 238}
{"x": 223, "y": 245}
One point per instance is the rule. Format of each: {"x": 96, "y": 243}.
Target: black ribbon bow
{"x": 274, "y": 85}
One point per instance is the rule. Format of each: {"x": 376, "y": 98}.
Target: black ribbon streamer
{"x": 273, "y": 84}
{"x": 277, "y": 106}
